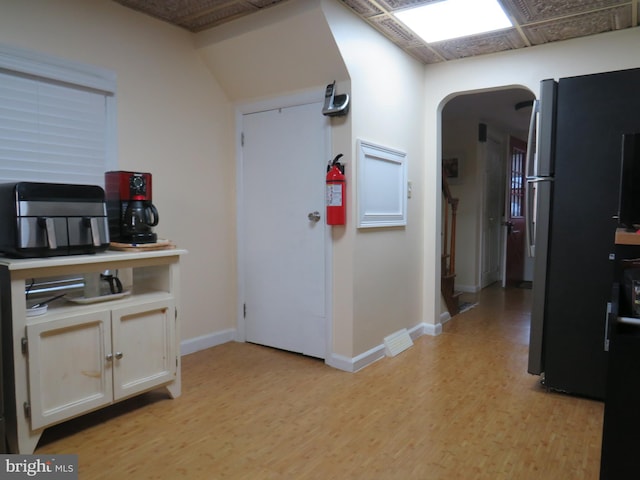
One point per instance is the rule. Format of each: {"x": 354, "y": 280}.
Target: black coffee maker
{"x": 131, "y": 213}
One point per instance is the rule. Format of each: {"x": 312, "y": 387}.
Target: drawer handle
{"x": 92, "y": 224}
{"x": 50, "y": 231}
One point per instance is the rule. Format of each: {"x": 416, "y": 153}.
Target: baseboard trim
{"x": 356, "y": 363}
{"x": 340, "y": 362}
{"x": 432, "y": 329}
{"x": 203, "y": 342}
{"x": 468, "y": 288}
{"x": 377, "y": 353}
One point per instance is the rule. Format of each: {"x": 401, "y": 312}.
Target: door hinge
{"x": 242, "y": 139}
{"x": 25, "y": 345}
{"x": 27, "y": 409}
{"x": 244, "y": 310}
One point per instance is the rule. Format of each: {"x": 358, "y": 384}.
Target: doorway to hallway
{"x": 476, "y": 130}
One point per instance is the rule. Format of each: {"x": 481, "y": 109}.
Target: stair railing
{"x": 449, "y": 242}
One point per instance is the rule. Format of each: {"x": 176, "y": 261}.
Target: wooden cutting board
{"x": 142, "y": 247}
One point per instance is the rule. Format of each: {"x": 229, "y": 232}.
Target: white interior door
{"x": 284, "y": 160}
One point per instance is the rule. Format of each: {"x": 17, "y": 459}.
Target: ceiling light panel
{"x": 449, "y": 19}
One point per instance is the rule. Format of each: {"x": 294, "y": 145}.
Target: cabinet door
{"x": 69, "y": 373}
{"x": 143, "y": 347}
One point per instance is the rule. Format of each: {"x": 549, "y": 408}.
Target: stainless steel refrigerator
{"x": 573, "y": 186}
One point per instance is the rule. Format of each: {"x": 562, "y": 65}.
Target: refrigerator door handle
{"x": 530, "y": 197}
{"x": 539, "y": 179}
{"x": 612, "y": 314}
{"x": 606, "y": 326}
{"x": 532, "y": 170}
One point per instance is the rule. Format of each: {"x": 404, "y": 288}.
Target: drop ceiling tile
{"x": 531, "y": 11}
{"x": 579, "y": 26}
{"x": 424, "y": 54}
{"x": 479, "y": 44}
{"x": 363, "y": 8}
{"x": 263, "y": 3}
{"x": 218, "y": 16}
{"x": 402, "y": 4}
{"x": 170, "y": 10}
{"x": 394, "y": 30}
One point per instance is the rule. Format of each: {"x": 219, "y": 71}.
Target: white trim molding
{"x": 334, "y": 360}
{"x": 381, "y": 186}
{"x": 58, "y": 69}
{"x": 377, "y": 353}
{"x": 203, "y": 342}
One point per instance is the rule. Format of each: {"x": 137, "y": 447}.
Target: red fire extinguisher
{"x": 336, "y": 193}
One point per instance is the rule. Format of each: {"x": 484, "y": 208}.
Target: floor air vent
{"x": 397, "y": 342}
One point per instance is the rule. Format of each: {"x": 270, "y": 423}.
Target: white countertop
{"x": 102, "y": 257}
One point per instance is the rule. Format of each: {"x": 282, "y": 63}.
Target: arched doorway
{"x": 477, "y": 133}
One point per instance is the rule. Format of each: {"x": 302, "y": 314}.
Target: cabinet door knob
{"x": 119, "y": 355}
{"x": 109, "y": 357}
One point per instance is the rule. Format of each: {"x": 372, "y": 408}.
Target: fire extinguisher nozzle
{"x": 336, "y": 163}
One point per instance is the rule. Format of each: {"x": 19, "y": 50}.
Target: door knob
{"x": 509, "y": 226}
{"x": 314, "y": 216}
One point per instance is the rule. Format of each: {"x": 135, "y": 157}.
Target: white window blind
{"x": 55, "y": 125}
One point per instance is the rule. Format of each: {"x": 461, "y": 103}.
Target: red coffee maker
{"x": 130, "y": 211}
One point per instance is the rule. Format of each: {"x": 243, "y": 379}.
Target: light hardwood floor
{"x": 457, "y": 406}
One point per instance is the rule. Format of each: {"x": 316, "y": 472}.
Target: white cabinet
{"x": 80, "y": 357}
{"x": 143, "y": 347}
{"x": 68, "y": 374}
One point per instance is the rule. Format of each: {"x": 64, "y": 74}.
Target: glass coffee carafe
{"x": 139, "y": 218}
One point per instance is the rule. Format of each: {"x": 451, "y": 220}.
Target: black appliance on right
{"x": 130, "y": 210}
{"x": 619, "y": 458}
{"x": 573, "y": 188}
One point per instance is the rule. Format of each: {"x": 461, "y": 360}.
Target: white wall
{"x": 525, "y": 67}
{"x": 382, "y": 265}
{"x": 275, "y": 52}
{"x": 303, "y": 45}
{"x": 173, "y": 121}
{"x": 279, "y": 53}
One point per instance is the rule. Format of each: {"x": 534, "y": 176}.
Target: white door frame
{"x": 312, "y": 96}
{"x": 484, "y": 147}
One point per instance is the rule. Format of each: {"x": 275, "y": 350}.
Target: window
{"x": 517, "y": 183}
{"x": 57, "y": 119}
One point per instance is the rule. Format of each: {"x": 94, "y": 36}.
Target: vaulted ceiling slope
{"x": 535, "y": 21}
